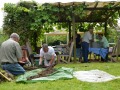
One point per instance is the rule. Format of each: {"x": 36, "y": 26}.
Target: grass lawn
{"x": 72, "y": 84}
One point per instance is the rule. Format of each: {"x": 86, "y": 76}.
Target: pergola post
{"x": 46, "y": 38}
{"x": 105, "y": 28}
{"x": 69, "y": 27}
{"x": 74, "y": 39}
{"x": 67, "y": 38}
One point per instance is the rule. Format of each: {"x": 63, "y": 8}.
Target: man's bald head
{"x": 15, "y": 36}
{"x": 45, "y": 47}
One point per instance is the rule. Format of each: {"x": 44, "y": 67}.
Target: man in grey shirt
{"x": 11, "y": 54}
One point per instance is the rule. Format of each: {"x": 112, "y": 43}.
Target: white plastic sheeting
{"x": 94, "y": 76}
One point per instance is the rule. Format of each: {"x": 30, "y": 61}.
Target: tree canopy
{"x": 31, "y": 20}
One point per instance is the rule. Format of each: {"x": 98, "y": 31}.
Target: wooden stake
{"x": 5, "y": 77}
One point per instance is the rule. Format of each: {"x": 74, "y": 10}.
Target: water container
{"x": 36, "y": 62}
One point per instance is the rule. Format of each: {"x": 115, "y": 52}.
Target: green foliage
{"x": 18, "y": 19}
{"x": 56, "y": 40}
{"x": 3, "y": 37}
{"x": 31, "y": 20}
{"x": 28, "y": 20}
{"x": 79, "y": 10}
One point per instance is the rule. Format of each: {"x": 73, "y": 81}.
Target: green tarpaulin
{"x": 60, "y": 73}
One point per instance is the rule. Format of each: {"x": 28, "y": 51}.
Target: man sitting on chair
{"x": 47, "y": 55}
{"x": 104, "y": 40}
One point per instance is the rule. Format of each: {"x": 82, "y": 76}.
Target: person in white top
{"x": 47, "y": 55}
{"x": 87, "y": 39}
{"x": 87, "y": 36}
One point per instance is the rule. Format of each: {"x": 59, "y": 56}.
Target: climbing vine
{"x": 31, "y": 20}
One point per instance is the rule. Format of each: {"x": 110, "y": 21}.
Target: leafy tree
{"x": 28, "y": 20}
{"x": 19, "y": 19}
{"x": 31, "y": 20}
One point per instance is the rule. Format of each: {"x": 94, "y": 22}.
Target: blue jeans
{"x": 85, "y": 51}
{"x": 14, "y": 69}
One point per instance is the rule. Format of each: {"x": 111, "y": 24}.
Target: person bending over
{"x": 47, "y": 55}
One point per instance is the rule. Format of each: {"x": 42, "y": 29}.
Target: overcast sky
{"x": 39, "y": 1}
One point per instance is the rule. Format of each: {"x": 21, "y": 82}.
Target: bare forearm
{"x": 20, "y": 60}
{"x": 40, "y": 60}
{"x": 52, "y": 60}
{"x": 27, "y": 59}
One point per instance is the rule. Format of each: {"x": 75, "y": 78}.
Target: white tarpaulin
{"x": 94, "y": 76}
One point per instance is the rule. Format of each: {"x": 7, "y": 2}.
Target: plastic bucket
{"x": 36, "y": 62}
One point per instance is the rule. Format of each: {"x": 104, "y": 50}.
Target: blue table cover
{"x": 100, "y": 51}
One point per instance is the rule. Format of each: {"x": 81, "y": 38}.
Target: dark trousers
{"x": 14, "y": 68}
{"x": 85, "y": 51}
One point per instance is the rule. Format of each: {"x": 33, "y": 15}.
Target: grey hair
{"x": 14, "y": 35}
{"x": 45, "y": 45}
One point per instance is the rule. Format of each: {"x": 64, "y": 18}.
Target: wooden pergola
{"x": 96, "y": 11}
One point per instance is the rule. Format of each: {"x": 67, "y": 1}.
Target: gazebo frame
{"x": 93, "y": 8}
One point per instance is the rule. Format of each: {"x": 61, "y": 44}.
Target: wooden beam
{"x": 112, "y": 13}
{"x": 82, "y": 21}
{"x": 4, "y": 76}
{"x": 90, "y": 15}
{"x": 102, "y": 8}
